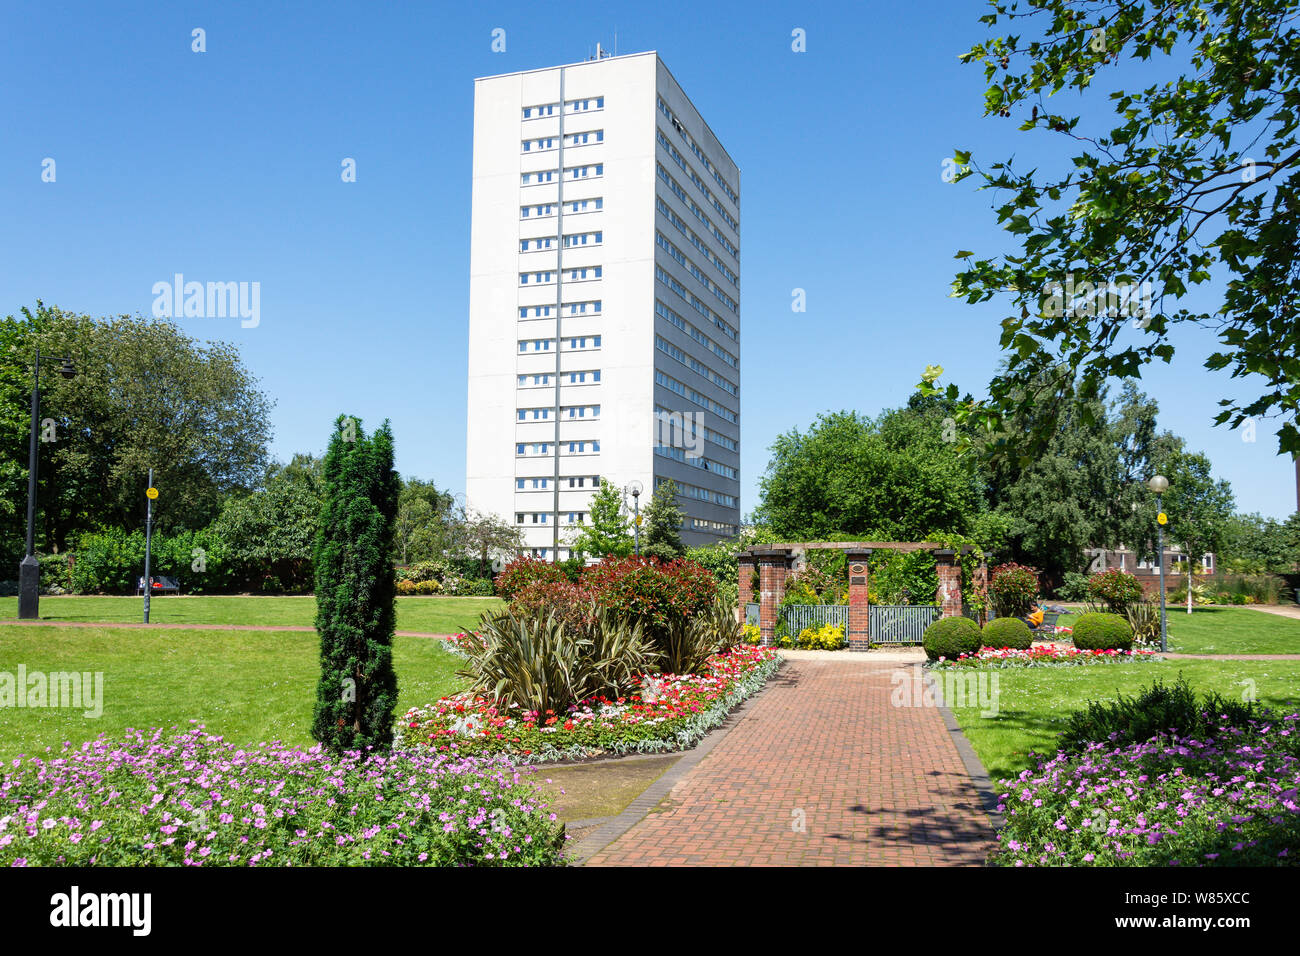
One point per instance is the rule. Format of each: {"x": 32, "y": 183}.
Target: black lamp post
{"x": 29, "y": 570}
{"x": 636, "y": 488}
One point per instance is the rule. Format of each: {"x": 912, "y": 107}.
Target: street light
{"x": 1160, "y": 484}
{"x": 636, "y": 488}
{"x": 29, "y": 569}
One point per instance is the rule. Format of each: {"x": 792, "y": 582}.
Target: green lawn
{"x": 248, "y": 686}
{"x": 1034, "y": 702}
{"x": 1227, "y": 630}
{"x": 437, "y": 615}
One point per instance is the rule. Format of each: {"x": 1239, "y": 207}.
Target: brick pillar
{"x": 859, "y": 630}
{"x": 745, "y": 581}
{"x": 773, "y": 567}
{"x": 981, "y": 585}
{"x": 949, "y": 593}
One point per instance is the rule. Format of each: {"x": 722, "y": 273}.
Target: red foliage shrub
{"x": 1014, "y": 588}
{"x": 524, "y": 571}
{"x": 650, "y": 590}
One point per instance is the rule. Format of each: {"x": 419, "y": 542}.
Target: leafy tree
{"x": 486, "y": 536}
{"x": 1196, "y": 180}
{"x": 424, "y": 521}
{"x": 271, "y": 533}
{"x": 1085, "y": 488}
{"x": 607, "y": 532}
{"x": 1254, "y": 544}
{"x": 663, "y": 518}
{"x": 850, "y": 475}
{"x": 356, "y": 590}
{"x": 145, "y": 395}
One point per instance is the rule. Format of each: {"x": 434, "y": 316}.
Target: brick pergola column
{"x": 949, "y": 593}
{"x": 981, "y": 586}
{"x": 859, "y": 629}
{"x": 773, "y": 568}
{"x": 745, "y": 580}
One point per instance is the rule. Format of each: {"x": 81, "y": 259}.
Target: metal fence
{"x": 797, "y": 617}
{"x": 889, "y": 623}
{"x": 901, "y": 623}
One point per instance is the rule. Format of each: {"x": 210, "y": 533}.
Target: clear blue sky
{"x": 224, "y": 166}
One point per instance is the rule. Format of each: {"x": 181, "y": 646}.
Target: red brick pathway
{"x": 872, "y": 783}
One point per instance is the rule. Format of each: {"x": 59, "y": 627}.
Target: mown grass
{"x": 432, "y": 614}
{"x": 1033, "y": 704}
{"x": 248, "y": 686}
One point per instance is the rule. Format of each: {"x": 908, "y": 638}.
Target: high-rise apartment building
{"x": 604, "y": 316}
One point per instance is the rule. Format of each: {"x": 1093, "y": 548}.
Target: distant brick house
{"x": 1146, "y": 571}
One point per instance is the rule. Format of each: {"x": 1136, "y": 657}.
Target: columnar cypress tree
{"x": 355, "y": 590}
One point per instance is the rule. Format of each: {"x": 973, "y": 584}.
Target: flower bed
{"x": 1227, "y": 800}
{"x": 670, "y": 713}
{"x": 154, "y": 799}
{"x": 1042, "y": 655}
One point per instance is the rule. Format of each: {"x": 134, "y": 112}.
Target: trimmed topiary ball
{"x": 1103, "y": 632}
{"x": 1008, "y": 632}
{"x": 950, "y": 637}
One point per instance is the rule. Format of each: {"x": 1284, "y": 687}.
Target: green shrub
{"x": 1156, "y": 710}
{"x": 950, "y": 637}
{"x": 55, "y": 576}
{"x": 1074, "y": 587}
{"x": 1008, "y": 632}
{"x": 1099, "y": 631}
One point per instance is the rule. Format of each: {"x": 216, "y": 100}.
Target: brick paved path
{"x": 876, "y": 784}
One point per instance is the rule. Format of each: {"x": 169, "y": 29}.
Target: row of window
{"x": 541, "y": 177}
{"x": 680, "y": 224}
{"x": 670, "y": 383}
{"x": 717, "y": 438}
{"x": 566, "y": 411}
{"x": 663, "y": 242}
{"x": 583, "y": 377}
{"x": 543, "y": 517}
{"x": 702, "y": 494}
{"x": 685, "y": 167}
{"x": 570, "y": 240}
{"x": 531, "y": 449}
{"x": 669, "y": 315}
{"x": 676, "y": 124}
{"x": 696, "y": 303}
{"x": 589, "y": 307}
{"x": 544, "y": 210}
{"x": 713, "y": 527}
{"x": 570, "y": 106}
{"x": 544, "y": 143}
{"x": 696, "y": 211}
{"x": 573, "y": 275}
{"x": 696, "y": 461}
{"x": 573, "y": 344}
{"x": 695, "y": 365}
{"x": 544, "y": 484}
